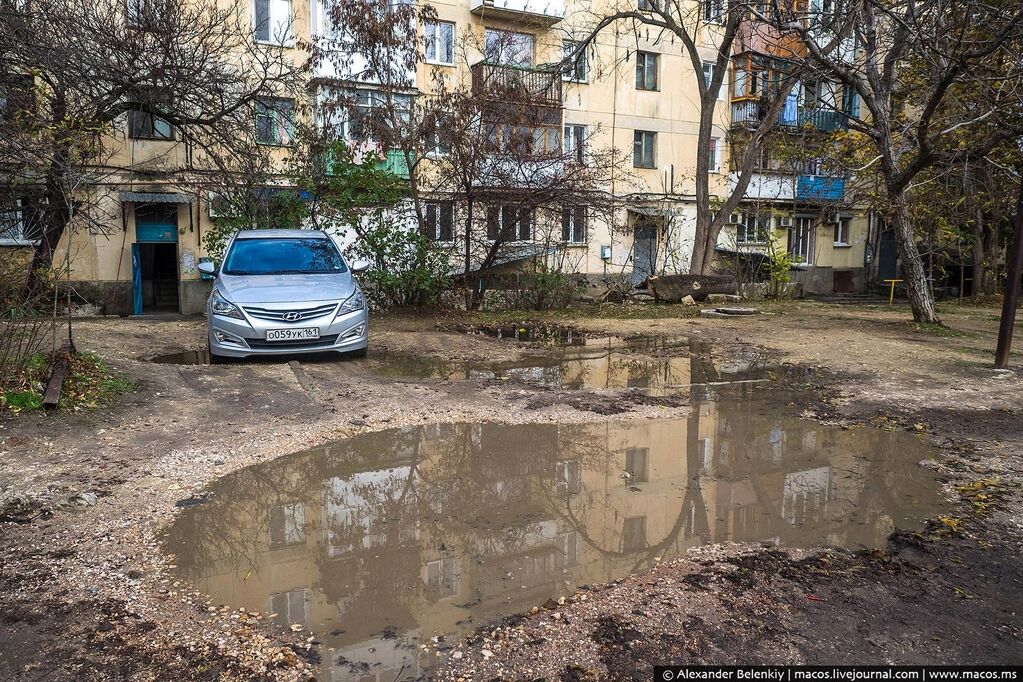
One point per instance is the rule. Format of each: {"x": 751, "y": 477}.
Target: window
{"x": 569, "y": 476}
{"x": 646, "y": 5}
{"x": 646, "y": 71}
{"x": 578, "y": 71}
{"x": 801, "y": 240}
{"x": 142, "y": 125}
{"x": 440, "y": 220}
{"x": 705, "y": 452}
{"x": 842, "y": 231}
{"x": 279, "y": 255}
{"x": 274, "y": 121}
{"x": 271, "y": 21}
{"x": 573, "y": 224}
{"x": 575, "y": 141}
{"x": 714, "y": 156}
{"x": 289, "y": 607}
{"x": 636, "y": 464}
{"x": 287, "y": 524}
{"x": 145, "y": 14}
{"x": 439, "y": 42}
{"x": 14, "y": 228}
{"x": 708, "y": 76}
{"x": 441, "y": 577}
{"x": 16, "y": 97}
{"x": 643, "y": 147}
{"x": 568, "y": 550}
{"x": 752, "y": 228}
{"x": 370, "y": 118}
{"x": 509, "y": 223}
{"x": 634, "y": 534}
{"x": 509, "y": 48}
{"x": 811, "y": 94}
{"x": 713, "y": 10}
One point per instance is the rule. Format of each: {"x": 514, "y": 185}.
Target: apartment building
{"x": 633, "y": 92}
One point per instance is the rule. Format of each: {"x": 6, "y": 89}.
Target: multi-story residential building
{"x": 634, "y": 92}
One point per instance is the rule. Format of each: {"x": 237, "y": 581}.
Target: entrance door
{"x": 155, "y": 258}
{"x": 644, "y": 250}
{"x": 887, "y": 257}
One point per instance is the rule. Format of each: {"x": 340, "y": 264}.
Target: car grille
{"x": 324, "y": 341}
{"x": 278, "y": 315}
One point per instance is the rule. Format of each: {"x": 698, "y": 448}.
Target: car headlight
{"x": 223, "y": 307}
{"x": 353, "y": 303}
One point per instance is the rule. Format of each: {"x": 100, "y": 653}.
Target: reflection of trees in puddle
{"x": 439, "y": 528}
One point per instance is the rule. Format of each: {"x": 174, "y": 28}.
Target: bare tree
{"x": 936, "y": 78}
{"x": 80, "y": 67}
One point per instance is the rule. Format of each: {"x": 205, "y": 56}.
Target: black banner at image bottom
{"x": 839, "y": 673}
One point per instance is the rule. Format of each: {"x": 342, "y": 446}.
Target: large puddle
{"x": 383, "y": 541}
{"x": 593, "y": 363}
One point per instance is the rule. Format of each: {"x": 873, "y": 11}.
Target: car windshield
{"x": 280, "y": 256}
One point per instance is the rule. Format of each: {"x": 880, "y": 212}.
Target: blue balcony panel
{"x": 820, "y": 188}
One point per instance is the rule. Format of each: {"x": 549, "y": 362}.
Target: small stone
{"x": 487, "y": 653}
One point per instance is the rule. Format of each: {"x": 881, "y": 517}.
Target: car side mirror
{"x": 360, "y": 265}
{"x": 207, "y": 268}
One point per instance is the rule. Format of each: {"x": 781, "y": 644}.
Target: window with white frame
{"x": 287, "y": 524}
{"x": 271, "y": 21}
{"x": 370, "y": 117}
{"x": 568, "y": 550}
{"x": 440, "y": 221}
{"x": 713, "y": 10}
{"x": 441, "y": 577}
{"x": 439, "y": 42}
{"x": 14, "y": 228}
{"x": 752, "y": 228}
{"x": 509, "y": 47}
{"x": 568, "y": 476}
{"x": 575, "y": 141}
{"x": 145, "y": 126}
{"x": 577, "y": 71}
{"x": 646, "y": 5}
{"x": 714, "y": 155}
{"x": 573, "y": 224}
{"x": 646, "y": 70}
{"x": 274, "y": 121}
{"x": 801, "y": 240}
{"x": 509, "y": 223}
{"x": 842, "y": 230}
{"x": 708, "y": 76}
{"x": 644, "y": 146}
{"x": 637, "y": 464}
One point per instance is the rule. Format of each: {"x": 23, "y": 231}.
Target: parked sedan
{"x": 283, "y": 292}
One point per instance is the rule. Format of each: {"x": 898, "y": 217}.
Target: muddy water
{"x": 590, "y": 363}
{"x": 382, "y": 541}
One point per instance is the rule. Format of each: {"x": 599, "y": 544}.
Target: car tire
{"x": 356, "y": 354}
{"x": 214, "y": 358}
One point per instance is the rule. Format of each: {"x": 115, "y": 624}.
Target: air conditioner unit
{"x": 784, "y": 221}
{"x": 735, "y": 219}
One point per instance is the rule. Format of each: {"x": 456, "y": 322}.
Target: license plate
{"x": 302, "y": 334}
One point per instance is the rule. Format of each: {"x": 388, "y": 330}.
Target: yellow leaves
{"x": 952, "y": 523}
{"x": 980, "y": 494}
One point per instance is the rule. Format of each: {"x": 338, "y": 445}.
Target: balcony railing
{"x": 394, "y": 163}
{"x": 517, "y": 84}
{"x": 816, "y": 188}
{"x": 749, "y": 114}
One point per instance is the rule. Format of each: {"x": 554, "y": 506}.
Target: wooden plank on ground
{"x": 57, "y": 375}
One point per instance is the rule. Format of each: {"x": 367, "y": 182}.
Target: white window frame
{"x": 280, "y": 20}
{"x": 839, "y": 222}
{"x": 517, "y": 229}
{"x": 760, "y": 224}
{"x": 293, "y": 524}
{"x": 291, "y": 598}
{"x": 714, "y": 155}
{"x": 576, "y": 231}
{"x": 574, "y": 139}
{"x": 434, "y": 210}
{"x": 283, "y": 127}
{"x": 713, "y": 11}
{"x": 643, "y": 73}
{"x": 708, "y": 75}
{"x": 571, "y": 74}
{"x": 12, "y": 222}
{"x": 805, "y": 247}
{"x": 643, "y": 135}
{"x": 507, "y": 42}
{"x": 434, "y": 37}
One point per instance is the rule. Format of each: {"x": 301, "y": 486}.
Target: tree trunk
{"x": 918, "y": 289}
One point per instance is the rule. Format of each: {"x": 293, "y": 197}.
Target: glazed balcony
{"x": 819, "y": 188}
{"x": 528, "y": 12}
{"x": 517, "y": 84}
{"x": 748, "y": 113}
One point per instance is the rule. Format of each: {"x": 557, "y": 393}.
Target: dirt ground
{"x": 85, "y": 592}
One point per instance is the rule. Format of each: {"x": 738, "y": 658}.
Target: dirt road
{"x": 86, "y": 593}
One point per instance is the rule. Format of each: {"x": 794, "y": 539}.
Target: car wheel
{"x": 214, "y": 358}
{"x": 361, "y": 353}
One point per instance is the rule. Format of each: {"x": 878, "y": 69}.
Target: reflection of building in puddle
{"x": 593, "y": 363}
{"x": 438, "y": 529}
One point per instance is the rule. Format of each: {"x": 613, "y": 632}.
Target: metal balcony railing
{"x": 749, "y": 114}
{"x": 533, "y": 86}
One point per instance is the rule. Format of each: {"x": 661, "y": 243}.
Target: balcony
{"x": 517, "y": 84}
{"x": 817, "y": 188}
{"x": 529, "y": 12}
{"x": 767, "y": 186}
{"x": 749, "y": 113}
{"x": 395, "y": 163}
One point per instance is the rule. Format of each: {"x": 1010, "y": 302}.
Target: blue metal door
{"x": 136, "y": 281}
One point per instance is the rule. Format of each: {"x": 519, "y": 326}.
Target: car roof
{"x": 280, "y": 234}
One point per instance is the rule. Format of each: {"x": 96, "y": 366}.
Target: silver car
{"x": 282, "y": 292}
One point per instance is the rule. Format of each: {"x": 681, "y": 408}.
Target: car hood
{"x": 286, "y": 288}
